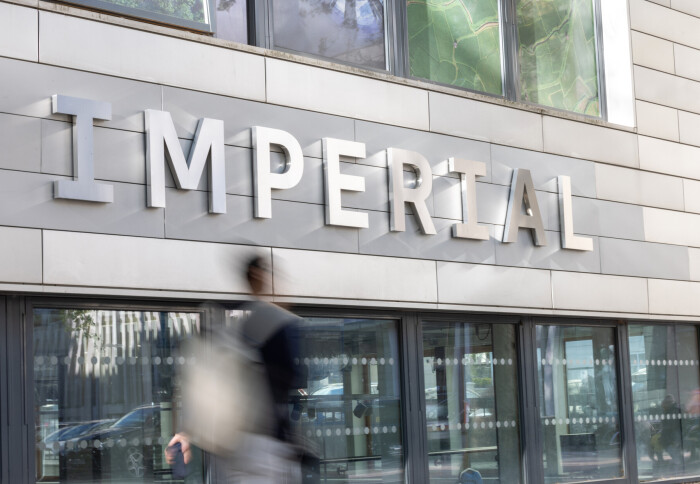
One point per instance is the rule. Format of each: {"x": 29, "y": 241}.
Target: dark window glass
{"x": 456, "y": 42}
{"x": 351, "y": 31}
{"x": 557, "y": 54}
{"x": 665, "y": 385}
{"x": 471, "y": 402}
{"x": 103, "y": 393}
{"x": 231, "y": 20}
{"x": 579, "y": 414}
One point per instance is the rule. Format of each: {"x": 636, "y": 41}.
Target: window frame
{"x": 137, "y": 13}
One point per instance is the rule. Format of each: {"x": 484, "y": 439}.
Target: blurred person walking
{"x": 235, "y": 397}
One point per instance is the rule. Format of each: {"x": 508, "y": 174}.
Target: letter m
{"x": 162, "y": 143}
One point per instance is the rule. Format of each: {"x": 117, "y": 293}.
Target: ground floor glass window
{"x": 666, "y": 398}
{"x": 578, "y": 401}
{"x": 103, "y": 393}
{"x": 471, "y": 402}
{"x": 349, "y": 412}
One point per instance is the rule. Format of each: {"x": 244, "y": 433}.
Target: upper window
{"x": 465, "y": 44}
{"x": 557, "y": 54}
{"x": 457, "y": 43}
{"x": 350, "y": 31}
{"x": 231, "y": 20}
{"x": 192, "y": 14}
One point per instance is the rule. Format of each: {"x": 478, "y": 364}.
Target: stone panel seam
{"x": 669, "y": 74}
{"x": 648, "y": 34}
{"x": 682, "y": 12}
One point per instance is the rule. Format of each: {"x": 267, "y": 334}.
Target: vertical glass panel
{"x": 655, "y": 400}
{"x": 232, "y": 20}
{"x": 456, "y": 42}
{"x": 579, "y": 415}
{"x": 103, "y": 393}
{"x": 471, "y": 402}
{"x": 557, "y": 54}
{"x": 665, "y": 386}
{"x": 351, "y": 31}
{"x": 689, "y": 401}
{"x": 350, "y": 410}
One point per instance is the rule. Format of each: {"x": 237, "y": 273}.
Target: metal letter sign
{"x": 468, "y": 171}
{"x": 161, "y": 139}
{"x": 399, "y": 195}
{"x": 263, "y": 178}
{"x": 162, "y": 144}
{"x": 522, "y": 191}
{"x": 83, "y": 185}
{"x": 336, "y": 182}
{"x": 566, "y": 219}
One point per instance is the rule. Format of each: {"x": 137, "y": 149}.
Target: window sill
{"x": 145, "y": 26}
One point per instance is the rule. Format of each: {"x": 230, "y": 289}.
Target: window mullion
{"x": 399, "y": 60}
{"x": 600, "y": 59}
{"x": 531, "y": 438}
{"x": 626, "y": 404}
{"x": 509, "y": 47}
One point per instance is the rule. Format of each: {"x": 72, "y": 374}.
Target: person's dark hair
{"x": 255, "y": 263}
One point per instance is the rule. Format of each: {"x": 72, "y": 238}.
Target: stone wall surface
{"x": 636, "y": 192}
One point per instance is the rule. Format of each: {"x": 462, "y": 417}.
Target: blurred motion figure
{"x": 235, "y": 397}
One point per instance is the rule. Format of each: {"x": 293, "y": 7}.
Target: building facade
{"x": 485, "y": 211}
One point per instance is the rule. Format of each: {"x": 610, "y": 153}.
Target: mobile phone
{"x": 178, "y": 466}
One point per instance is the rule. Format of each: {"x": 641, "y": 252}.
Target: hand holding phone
{"x": 176, "y": 459}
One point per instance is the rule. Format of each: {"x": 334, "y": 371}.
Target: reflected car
{"x": 56, "y": 441}
{"x": 128, "y": 447}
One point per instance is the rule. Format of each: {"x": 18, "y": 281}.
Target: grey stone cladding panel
{"x": 608, "y": 219}
{"x": 239, "y": 176}
{"x": 26, "y": 200}
{"x": 379, "y": 240}
{"x": 436, "y": 148}
{"x": 376, "y": 194}
{"x": 310, "y": 189}
{"x": 20, "y": 147}
{"x": 118, "y": 155}
{"x": 544, "y": 169}
{"x": 238, "y": 115}
{"x": 293, "y": 224}
{"x": 491, "y": 202}
{"x": 644, "y": 259}
{"x": 26, "y": 88}
{"x": 524, "y": 253}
